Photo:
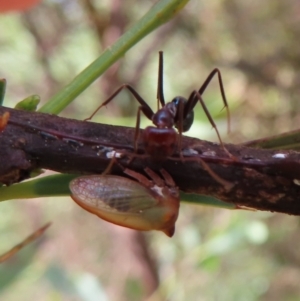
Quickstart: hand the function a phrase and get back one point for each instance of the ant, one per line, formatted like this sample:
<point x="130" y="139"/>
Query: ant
<point x="160" y="140"/>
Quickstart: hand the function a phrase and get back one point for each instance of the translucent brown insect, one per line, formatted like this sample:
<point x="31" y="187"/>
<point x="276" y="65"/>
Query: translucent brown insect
<point x="149" y="204"/>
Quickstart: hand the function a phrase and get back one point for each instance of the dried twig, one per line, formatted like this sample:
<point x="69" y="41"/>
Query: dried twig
<point x="257" y="178"/>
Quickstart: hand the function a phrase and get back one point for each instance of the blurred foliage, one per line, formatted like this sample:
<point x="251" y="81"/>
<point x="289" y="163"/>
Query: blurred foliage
<point x="30" y="103"/>
<point x="2" y="90"/>
<point x="215" y="254"/>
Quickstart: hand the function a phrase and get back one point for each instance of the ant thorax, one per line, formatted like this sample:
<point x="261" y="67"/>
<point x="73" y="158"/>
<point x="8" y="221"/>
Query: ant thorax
<point x="165" y="117"/>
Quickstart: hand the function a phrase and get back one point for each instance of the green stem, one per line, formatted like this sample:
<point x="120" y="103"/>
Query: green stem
<point x="2" y="90"/>
<point x="159" y="14"/>
<point x="58" y="185"/>
<point x="48" y="186"/>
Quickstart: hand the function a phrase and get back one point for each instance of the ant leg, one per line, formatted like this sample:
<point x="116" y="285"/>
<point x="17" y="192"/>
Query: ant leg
<point x="205" y="84"/>
<point x="146" y="109"/>
<point x="227" y="185"/>
<point x="168" y="178"/>
<point x="110" y="165"/>
<point x="155" y="177"/>
<point x="196" y="95"/>
<point x="191" y="103"/>
<point x="181" y="104"/>
<point x="139" y="177"/>
<point x="137" y="129"/>
<point x="160" y="87"/>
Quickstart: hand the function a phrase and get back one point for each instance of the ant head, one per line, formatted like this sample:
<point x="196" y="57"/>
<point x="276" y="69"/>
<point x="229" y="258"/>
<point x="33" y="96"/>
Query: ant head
<point x="186" y="122"/>
<point x="187" y="114"/>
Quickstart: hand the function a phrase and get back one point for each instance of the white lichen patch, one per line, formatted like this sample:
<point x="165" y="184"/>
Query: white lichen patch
<point x="246" y="208"/>
<point x="113" y="154"/>
<point x="158" y="190"/>
<point x="209" y="153"/>
<point x="279" y="156"/>
<point x="189" y="152"/>
<point x="297" y="182"/>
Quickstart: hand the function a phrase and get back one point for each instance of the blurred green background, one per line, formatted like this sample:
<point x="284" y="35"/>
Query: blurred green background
<point x="215" y="254"/>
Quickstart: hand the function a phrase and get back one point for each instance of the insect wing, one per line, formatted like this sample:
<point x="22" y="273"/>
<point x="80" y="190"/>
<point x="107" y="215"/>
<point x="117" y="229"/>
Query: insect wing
<point x="112" y="193"/>
<point x="117" y="200"/>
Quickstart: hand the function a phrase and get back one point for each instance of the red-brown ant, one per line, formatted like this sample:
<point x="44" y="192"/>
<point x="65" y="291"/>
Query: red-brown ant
<point x="160" y="140"/>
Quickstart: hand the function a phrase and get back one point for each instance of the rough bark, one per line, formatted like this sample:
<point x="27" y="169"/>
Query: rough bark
<point x="256" y="178"/>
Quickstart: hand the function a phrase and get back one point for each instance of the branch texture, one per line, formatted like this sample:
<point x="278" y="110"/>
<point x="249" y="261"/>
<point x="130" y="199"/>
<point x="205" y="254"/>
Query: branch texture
<point x="255" y="178"/>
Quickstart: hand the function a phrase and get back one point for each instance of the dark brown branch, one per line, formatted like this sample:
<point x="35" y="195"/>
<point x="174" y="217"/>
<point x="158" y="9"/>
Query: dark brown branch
<point x="255" y="178"/>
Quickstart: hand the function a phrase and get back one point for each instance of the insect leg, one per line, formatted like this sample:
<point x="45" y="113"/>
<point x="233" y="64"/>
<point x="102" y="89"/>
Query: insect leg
<point x="155" y="177"/>
<point x="179" y="123"/>
<point x="227" y="185"/>
<point x="160" y="87"/>
<point x="137" y="128"/>
<point x="146" y="109"/>
<point x="191" y="103"/>
<point x="168" y="178"/>
<point x="139" y="177"/>
<point x="205" y="84"/>
<point x="197" y="96"/>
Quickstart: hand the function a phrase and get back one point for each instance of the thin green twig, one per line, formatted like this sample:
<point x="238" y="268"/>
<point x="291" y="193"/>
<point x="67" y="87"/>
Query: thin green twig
<point x="159" y="14"/>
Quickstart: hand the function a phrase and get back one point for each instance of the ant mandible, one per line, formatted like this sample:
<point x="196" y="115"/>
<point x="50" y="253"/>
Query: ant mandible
<point x="160" y="140"/>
